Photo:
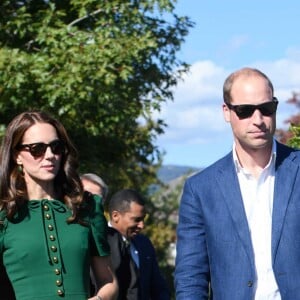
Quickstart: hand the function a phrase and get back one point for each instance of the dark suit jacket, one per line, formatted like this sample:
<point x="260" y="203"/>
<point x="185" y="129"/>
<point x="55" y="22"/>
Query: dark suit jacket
<point x="143" y="284"/>
<point x="214" y="244"/>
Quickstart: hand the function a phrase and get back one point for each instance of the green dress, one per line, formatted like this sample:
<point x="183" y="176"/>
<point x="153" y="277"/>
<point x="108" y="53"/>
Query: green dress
<point x="45" y="257"/>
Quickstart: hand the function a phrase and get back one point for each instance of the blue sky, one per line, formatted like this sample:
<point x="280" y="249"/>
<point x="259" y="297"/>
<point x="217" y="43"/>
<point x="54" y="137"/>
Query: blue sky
<point x="228" y="35"/>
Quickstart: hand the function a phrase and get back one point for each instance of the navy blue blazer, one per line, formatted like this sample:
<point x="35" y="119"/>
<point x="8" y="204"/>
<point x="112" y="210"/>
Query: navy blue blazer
<point x="151" y="284"/>
<point x="214" y="244"/>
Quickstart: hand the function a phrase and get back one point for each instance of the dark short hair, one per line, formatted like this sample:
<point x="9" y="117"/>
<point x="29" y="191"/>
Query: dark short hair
<point x="121" y="200"/>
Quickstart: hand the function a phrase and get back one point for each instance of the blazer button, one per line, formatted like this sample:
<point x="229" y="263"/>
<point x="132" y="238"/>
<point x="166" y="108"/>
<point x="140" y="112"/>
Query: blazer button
<point x="250" y="283"/>
<point x="52" y="237"/>
<point x="55" y="259"/>
<point x="60" y="292"/>
<point x="46" y="207"/>
<point x="53" y="248"/>
<point x="50" y="227"/>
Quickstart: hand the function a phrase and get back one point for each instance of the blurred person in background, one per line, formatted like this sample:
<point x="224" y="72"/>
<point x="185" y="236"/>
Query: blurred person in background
<point x="94" y="184"/>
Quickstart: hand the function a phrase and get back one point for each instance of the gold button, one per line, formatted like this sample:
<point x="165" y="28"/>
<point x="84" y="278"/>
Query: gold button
<point x="50" y="227"/>
<point x="46" y="207"/>
<point x="60" y="292"/>
<point x="57" y="271"/>
<point x="53" y="248"/>
<point x="55" y="259"/>
<point x="52" y="237"/>
<point x="58" y="283"/>
<point x="47" y="216"/>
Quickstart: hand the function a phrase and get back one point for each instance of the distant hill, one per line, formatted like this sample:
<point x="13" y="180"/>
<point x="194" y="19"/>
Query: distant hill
<point x="168" y="173"/>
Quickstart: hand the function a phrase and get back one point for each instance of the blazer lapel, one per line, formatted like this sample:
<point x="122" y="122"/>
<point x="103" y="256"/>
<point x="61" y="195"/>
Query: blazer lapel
<point x="285" y="176"/>
<point x="229" y="185"/>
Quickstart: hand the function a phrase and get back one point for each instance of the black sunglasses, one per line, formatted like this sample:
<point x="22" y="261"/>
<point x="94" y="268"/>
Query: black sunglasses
<point x="244" y="111"/>
<point x="38" y="149"/>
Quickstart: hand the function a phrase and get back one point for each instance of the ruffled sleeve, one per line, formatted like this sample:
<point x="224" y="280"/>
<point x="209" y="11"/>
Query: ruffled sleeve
<point x="98" y="225"/>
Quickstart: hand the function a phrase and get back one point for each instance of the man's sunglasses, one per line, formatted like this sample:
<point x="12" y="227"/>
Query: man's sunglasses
<point x="38" y="149"/>
<point x="246" y="110"/>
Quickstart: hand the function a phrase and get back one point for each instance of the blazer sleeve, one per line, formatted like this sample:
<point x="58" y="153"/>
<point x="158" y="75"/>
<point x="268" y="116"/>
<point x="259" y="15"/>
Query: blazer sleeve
<point x="192" y="274"/>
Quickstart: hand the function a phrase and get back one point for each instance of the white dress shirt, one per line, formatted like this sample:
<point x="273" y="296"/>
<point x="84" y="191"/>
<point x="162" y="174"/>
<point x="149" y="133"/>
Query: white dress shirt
<point x="257" y="196"/>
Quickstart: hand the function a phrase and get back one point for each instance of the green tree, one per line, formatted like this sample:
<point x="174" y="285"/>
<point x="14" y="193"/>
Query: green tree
<point x="101" y="67"/>
<point x="291" y="136"/>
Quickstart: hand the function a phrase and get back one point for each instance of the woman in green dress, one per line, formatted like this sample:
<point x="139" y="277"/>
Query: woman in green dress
<point x="51" y="232"/>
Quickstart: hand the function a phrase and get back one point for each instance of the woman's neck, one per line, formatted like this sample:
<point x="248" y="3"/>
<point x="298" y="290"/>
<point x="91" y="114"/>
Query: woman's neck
<point x="38" y="191"/>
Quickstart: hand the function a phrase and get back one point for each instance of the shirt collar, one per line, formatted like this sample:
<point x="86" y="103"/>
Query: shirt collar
<point x="123" y="237"/>
<point x="272" y="159"/>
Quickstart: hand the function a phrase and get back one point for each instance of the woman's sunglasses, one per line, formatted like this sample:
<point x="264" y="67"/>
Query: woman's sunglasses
<point x="38" y="149"/>
<point x="246" y="110"/>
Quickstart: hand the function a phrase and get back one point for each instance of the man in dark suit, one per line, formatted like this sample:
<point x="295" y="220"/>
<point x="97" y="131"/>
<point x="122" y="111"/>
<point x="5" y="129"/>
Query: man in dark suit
<point x="239" y="219"/>
<point x="133" y="255"/>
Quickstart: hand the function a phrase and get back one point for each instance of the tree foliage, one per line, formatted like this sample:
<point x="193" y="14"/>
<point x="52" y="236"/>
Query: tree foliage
<point x="102" y="68"/>
<point x="292" y="135"/>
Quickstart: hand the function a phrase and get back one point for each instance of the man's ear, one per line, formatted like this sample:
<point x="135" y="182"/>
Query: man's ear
<point x="115" y="216"/>
<point x="226" y="113"/>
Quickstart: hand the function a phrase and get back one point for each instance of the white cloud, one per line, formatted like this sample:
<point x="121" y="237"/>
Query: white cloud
<point x="195" y="115"/>
<point x="201" y="83"/>
<point x="196" y="111"/>
<point x="284" y="73"/>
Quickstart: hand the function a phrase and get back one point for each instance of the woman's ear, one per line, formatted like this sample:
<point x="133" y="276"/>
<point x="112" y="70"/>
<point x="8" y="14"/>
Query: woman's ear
<point x="18" y="159"/>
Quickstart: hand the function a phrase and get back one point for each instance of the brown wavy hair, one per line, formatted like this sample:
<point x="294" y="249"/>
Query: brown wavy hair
<point x="13" y="191"/>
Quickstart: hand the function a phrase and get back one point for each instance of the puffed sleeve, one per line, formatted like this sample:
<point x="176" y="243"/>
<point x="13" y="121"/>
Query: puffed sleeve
<point x="98" y="225"/>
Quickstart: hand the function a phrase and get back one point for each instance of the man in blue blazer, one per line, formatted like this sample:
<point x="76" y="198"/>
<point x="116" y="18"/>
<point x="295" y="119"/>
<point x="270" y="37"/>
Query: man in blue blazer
<point x="239" y="219"/>
<point x="132" y="253"/>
